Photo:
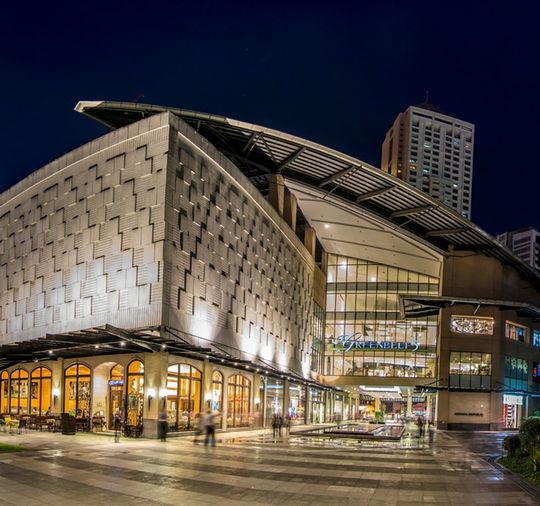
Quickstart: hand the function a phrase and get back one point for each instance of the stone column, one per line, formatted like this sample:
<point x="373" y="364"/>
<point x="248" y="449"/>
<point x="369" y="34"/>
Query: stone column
<point x="57" y="368"/>
<point x="290" y="207"/>
<point x="409" y="405"/>
<point x="276" y="192"/>
<point x="310" y="240"/>
<point x="155" y="380"/>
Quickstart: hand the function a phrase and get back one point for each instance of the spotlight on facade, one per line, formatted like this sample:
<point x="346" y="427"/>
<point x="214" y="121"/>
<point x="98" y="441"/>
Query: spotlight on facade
<point x="56" y="394"/>
<point x="122" y="343"/>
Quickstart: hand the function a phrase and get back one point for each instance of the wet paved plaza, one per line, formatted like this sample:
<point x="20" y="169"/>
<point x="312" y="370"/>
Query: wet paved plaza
<point x="89" y="469"/>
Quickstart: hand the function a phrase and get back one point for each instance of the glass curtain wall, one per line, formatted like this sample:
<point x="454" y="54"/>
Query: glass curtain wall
<point x="135" y="393"/>
<point x="238" y="401"/>
<point x="183" y="396"/>
<point x="317" y="349"/>
<point x="470" y="370"/>
<point x="365" y="335"/>
<point x="19" y="392"/>
<point x="77" y="393"/>
<point x="40" y="391"/>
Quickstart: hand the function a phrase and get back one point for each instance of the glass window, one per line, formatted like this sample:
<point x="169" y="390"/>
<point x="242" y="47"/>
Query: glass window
<point x="472" y="325"/>
<point x="77" y="391"/>
<point x="238" y="401"/>
<point x="470" y="370"/>
<point x="40" y="391"/>
<point x="4" y="392"/>
<point x="183" y="396"/>
<point x="217" y="395"/>
<point x="135" y="393"/>
<point x="536" y="338"/>
<point x="19" y="392"/>
<point x="517" y="332"/>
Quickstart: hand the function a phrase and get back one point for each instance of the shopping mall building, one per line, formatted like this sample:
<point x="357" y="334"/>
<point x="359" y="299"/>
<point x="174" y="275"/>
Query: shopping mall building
<point x="187" y="261"/>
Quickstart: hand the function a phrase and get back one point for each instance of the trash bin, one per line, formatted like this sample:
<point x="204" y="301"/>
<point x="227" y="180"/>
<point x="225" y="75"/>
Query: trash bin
<point x="68" y="424"/>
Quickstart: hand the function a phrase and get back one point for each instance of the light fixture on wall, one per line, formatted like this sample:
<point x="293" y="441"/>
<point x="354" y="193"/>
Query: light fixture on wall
<point x="163" y="396"/>
<point x="208" y="399"/>
<point x="151" y="393"/>
<point x="56" y="394"/>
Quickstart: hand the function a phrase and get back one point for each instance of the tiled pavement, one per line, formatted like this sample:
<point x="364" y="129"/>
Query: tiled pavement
<point x="93" y="470"/>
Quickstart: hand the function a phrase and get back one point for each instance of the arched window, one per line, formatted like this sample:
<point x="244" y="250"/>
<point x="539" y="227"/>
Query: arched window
<point x="77" y="391"/>
<point x="217" y="395"/>
<point x="238" y="401"/>
<point x="19" y="392"/>
<point x="135" y="392"/>
<point x="40" y="391"/>
<point x="116" y="393"/>
<point x="183" y="395"/>
<point x="4" y="392"/>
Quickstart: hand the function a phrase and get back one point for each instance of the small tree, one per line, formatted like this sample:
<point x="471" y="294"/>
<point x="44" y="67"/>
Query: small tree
<point x="529" y="434"/>
<point x="511" y="445"/>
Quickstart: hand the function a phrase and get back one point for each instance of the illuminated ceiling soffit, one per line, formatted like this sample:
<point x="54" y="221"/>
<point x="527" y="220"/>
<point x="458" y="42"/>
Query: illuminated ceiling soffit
<point x="352" y="231"/>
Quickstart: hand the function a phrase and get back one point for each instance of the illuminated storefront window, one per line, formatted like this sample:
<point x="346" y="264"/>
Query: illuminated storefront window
<point x="183" y="396"/>
<point x="238" y="401"/>
<point x="116" y="393"/>
<point x="77" y="393"/>
<point x="19" y="392"/>
<point x="365" y="333"/>
<point x="274" y="399"/>
<point x="40" y="391"/>
<point x="470" y="370"/>
<point x="472" y="325"/>
<point x="297" y="403"/>
<point x="217" y="395"/>
<point x="516" y="332"/>
<point x="317" y="405"/>
<point x="516" y="373"/>
<point x="536" y="338"/>
<point x="4" y="392"/>
<point x="135" y="392"/>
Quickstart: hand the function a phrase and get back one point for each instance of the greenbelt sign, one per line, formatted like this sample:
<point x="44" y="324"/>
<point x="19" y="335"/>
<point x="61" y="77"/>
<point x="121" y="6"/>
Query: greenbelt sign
<point x="348" y="343"/>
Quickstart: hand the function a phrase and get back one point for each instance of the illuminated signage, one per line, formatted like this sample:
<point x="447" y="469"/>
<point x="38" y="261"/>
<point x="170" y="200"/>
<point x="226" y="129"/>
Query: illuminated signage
<point x="536" y="372"/>
<point x="348" y="343"/>
<point x="536" y="338"/>
<point x="116" y="383"/>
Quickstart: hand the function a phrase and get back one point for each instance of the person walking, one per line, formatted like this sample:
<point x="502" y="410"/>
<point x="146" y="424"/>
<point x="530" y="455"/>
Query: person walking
<point x="276" y="426"/>
<point x="162" y="426"/>
<point x="117" y="422"/>
<point x="420" y="424"/>
<point x="209" y="429"/>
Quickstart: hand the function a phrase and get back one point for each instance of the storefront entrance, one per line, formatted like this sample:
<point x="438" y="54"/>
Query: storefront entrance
<point x="116" y="394"/>
<point x="512" y="411"/>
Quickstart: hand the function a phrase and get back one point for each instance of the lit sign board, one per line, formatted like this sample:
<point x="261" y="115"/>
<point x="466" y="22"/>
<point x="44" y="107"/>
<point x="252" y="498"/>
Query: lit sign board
<point x="536" y="372"/>
<point x="536" y="338"/>
<point x="348" y="343"/>
<point x="116" y="383"/>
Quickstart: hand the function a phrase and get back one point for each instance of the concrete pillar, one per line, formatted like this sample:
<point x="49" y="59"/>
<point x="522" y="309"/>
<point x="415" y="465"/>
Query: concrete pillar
<point x="258" y="398"/>
<point x="207" y="385"/>
<point x="308" y="407"/>
<point x="409" y="405"/>
<point x="276" y="192"/>
<point x="286" y="398"/>
<point x="310" y="240"/>
<point x="57" y="368"/>
<point x="155" y="382"/>
<point x="290" y="207"/>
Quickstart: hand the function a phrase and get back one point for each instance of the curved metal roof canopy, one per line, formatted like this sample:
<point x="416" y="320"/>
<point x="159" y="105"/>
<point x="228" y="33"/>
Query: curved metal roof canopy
<point x="260" y="151"/>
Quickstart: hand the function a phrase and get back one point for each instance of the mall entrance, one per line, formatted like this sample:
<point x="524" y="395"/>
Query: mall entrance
<point x="396" y="404"/>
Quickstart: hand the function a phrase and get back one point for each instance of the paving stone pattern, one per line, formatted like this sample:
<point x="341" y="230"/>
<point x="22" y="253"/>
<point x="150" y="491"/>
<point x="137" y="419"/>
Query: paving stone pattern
<point x="91" y="469"/>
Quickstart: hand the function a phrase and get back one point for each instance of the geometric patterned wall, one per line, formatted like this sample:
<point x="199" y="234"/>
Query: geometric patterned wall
<point x="82" y="243"/>
<point x="232" y="264"/>
<point x="81" y="239"/>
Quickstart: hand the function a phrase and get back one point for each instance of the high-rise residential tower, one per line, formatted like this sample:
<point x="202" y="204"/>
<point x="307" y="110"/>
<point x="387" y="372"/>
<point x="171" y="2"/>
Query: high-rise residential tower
<point x="434" y="153"/>
<point x="524" y="243"/>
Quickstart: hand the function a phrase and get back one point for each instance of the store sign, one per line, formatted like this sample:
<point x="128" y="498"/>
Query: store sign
<point x="348" y="343"/>
<point x="116" y="383"/>
<point x="536" y="372"/>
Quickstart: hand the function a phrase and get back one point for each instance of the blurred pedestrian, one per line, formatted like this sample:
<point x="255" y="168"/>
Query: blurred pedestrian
<point x="420" y="424"/>
<point x="276" y="425"/>
<point x="209" y="429"/>
<point x="162" y="425"/>
<point x="117" y="422"/>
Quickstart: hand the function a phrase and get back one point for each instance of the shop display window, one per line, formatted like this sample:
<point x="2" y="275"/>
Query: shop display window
<point x="135" y="393"/>
<point x="77" y="390"/>
<point x="217" y="395"/>
<point x="183" y="396"/>
<point x="517" y="332"/>
<point x="4" y="392"/>
<point x="238" y="401"/>
<point x="40" y="391"/>
<point x="18" y="392"/>
<point x="470" y="370"/>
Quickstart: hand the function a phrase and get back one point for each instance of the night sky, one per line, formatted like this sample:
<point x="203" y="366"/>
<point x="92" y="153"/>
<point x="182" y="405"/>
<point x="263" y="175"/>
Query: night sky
<point x="333" y="73"/>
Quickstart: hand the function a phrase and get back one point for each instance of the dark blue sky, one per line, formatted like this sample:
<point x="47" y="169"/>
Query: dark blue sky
<point x="334" y="73"/>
